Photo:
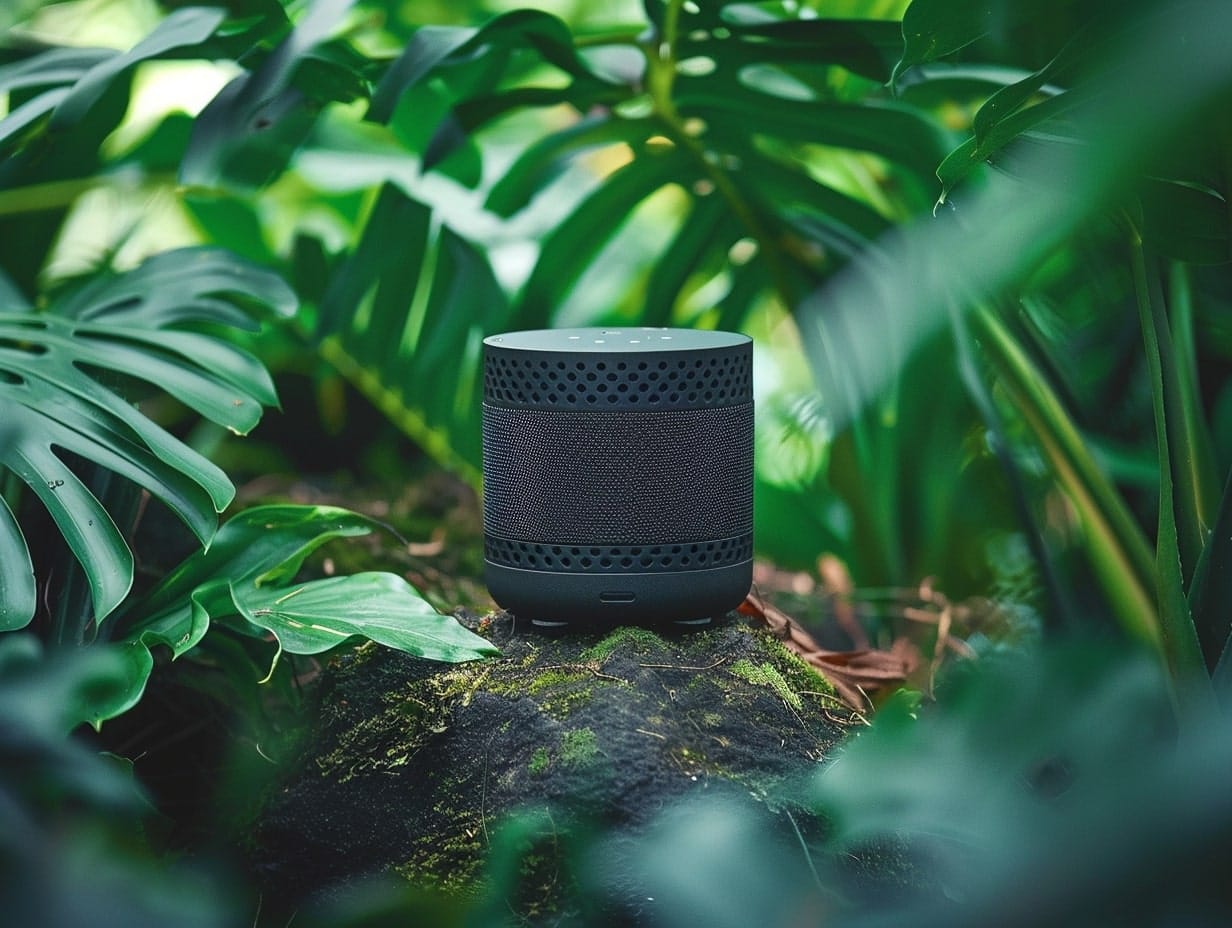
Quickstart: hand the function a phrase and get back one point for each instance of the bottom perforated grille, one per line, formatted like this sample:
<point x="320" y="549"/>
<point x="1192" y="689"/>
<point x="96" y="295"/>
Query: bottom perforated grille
<point x="660" y="558"/>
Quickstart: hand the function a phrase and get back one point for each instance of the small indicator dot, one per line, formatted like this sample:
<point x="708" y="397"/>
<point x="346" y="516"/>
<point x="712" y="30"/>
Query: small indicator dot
<point x="574" y="338"/>
<point x="598" y="341"/>
<point x="666" y="338"/>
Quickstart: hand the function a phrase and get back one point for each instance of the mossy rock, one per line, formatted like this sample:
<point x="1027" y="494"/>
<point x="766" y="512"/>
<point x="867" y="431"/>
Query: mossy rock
<point x="412" y="766"/>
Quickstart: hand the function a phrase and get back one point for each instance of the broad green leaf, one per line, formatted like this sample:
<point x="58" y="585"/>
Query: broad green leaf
<point x="51" y="68"/>
<point x="182" y="28"/>
<point x="245" y="580"/>
<point x="60" y="373"/>
<point x="540" y="162"/>
<point x="28" y="113"/>
<point x="313" y="617"/>
<point x="52" y="73"/>
<point x="55" y="692"/>
<point x="431" y="46"/>
<point x="428" y="47"/>
<point x="894" y="131"/>
<point x="77" y="429"/>
<point x="933" y="29"/>
<point x="83" y="522"/>
<point x="576" y="240"/>
<point x="249" y="131"/>
<point x="18" y="593"/>
<point x="1013" y="128"/>
<point x="261" y="545"/>
<point x="176" y="286"/>
<point x="866" y="47"/>
<point x="1013" y="98"/>
<point x="408" y="308"/>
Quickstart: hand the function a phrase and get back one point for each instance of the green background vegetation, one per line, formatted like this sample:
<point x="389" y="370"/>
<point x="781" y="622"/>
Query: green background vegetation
<point x="983" y="251"/>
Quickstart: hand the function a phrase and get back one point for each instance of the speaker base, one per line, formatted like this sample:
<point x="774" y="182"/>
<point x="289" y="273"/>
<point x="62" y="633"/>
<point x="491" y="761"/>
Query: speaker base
<point x="578" y="600"/>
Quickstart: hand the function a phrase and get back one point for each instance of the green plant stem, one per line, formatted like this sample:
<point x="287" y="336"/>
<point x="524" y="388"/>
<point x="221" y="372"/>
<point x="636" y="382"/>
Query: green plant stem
<point x="57" y="194"/>
<point x="660" y="80"/>
<point x="601" y="39"/>
<point x="1180" y="641"/>
<point x="1117" y="547"/>
<point x="1062" y="613"/>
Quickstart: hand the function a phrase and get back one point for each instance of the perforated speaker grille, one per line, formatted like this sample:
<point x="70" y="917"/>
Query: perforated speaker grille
<point x="657" y="476"/>
<point x="619" y="558"/>
<point x="633" y="381"/>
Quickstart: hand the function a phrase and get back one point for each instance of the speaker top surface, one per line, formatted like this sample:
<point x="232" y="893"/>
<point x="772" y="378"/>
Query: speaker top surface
<point x="616" y="339"/>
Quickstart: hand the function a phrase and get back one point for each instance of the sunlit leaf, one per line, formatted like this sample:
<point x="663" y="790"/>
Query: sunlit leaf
<point x="313" y="617"/>
<point x="182" y="28"/>
<point x="248" y="132"/>
<point x="245" y="577"/>
<point x="60" y="372"/>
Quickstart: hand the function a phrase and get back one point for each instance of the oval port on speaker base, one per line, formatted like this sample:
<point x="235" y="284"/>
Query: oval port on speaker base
<point x="617" y="596"/>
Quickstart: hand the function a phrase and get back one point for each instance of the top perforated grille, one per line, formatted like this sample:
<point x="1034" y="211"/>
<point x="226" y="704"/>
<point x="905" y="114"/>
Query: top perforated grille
<point x="678" y="380"/>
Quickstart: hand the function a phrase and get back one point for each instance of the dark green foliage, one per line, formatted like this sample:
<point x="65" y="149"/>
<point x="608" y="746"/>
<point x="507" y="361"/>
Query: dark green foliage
<point x="137" y="327"/>
<point x="1044" y="358"/>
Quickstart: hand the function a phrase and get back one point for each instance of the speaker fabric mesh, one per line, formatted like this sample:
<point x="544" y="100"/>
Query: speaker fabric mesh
<point x="599" y="477"/>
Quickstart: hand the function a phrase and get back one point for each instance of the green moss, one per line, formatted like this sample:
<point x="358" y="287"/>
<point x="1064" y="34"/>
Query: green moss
<point x="554" y="678"/>
<point x="539" y="761"/>
<point x="801" y="677"/>
<point x="638" y="639"/>
<point x="765" y="674"/>
<point x="578" y="747"/>
<point x="450" y="862"/>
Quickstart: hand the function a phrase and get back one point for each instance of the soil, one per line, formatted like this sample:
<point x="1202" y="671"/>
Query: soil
<point x="414" y="767"/>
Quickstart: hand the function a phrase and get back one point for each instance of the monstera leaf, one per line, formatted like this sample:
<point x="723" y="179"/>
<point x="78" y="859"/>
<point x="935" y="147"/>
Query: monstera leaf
<point x="728" y="103"/>
<point x="246" y="581"/>
<point x="65" y="376"/>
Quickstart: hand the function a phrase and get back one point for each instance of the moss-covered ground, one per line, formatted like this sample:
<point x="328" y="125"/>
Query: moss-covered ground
<point x="413" y="766"/>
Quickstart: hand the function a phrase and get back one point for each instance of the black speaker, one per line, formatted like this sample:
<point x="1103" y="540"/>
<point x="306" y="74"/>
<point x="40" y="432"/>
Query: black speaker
<point x="618" y="474"/>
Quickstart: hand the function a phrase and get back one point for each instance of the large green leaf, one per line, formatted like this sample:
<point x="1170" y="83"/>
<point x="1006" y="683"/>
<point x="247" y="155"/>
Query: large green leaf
<point x="245" y="580"/>
<point x="313" y="617"/>
<point x="18" y="591"/>
<point x="408" y="308"/>
<point x="50" y="75"/>
<point x="433" y="46"/>
<point x="182" y="28"/>
<point x="246" y="135"/>
<point x="712" y="113"/>
<point x="62" y="377"/>
<point x="68" y="81"/>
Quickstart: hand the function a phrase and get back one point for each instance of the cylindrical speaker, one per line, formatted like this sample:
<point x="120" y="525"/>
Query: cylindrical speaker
<point x="618" y="474"/>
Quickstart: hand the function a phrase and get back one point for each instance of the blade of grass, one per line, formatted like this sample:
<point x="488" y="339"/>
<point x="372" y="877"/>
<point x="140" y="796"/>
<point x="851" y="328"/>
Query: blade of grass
<point x="1200" y="470"/>
<point x="1175" y="536"/>
<point x="1210" y="596"/>
<point x="1116" y="545"/>
<point x="1061" y="615"/>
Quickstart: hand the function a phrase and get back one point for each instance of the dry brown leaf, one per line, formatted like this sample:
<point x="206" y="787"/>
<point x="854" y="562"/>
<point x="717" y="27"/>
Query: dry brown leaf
<point x="853" y="674"/>
<point x="836" y="581"/>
